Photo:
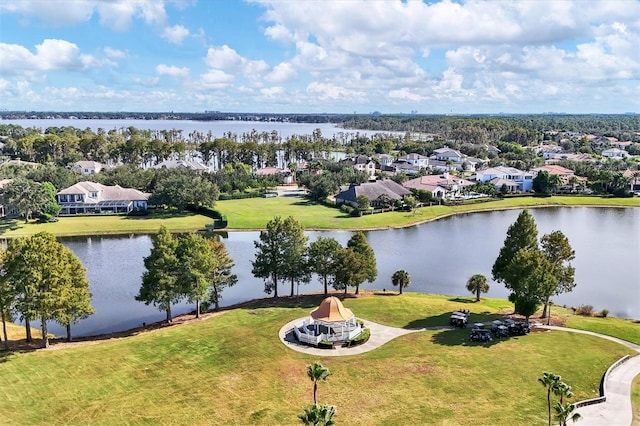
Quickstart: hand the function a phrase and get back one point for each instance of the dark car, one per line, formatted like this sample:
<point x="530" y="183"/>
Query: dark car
<point x="458" y="320"/>
<point x="518" y="329"/>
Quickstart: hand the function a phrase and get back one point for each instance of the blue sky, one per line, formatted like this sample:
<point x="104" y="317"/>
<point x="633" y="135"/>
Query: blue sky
<point x="341" y="56"/>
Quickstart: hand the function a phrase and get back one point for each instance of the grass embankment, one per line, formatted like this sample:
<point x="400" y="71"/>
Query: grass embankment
<point x="635" y="401"/>
<point x="232" y="369"/>
<point x="254" y="213"/>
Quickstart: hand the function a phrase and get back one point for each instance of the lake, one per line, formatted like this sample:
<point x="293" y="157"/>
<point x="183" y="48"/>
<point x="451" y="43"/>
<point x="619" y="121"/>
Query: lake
<point x="217" y="128"/>
<point x="440" y="256"/>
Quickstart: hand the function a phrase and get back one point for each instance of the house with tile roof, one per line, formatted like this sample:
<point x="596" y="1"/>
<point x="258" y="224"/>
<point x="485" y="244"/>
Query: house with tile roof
<point x="441" y="186"/>
<point x="92" y="197"/>
<point x="87" y="168"/>
<point x="385" y="188"/>
<point x="514" y="179"/>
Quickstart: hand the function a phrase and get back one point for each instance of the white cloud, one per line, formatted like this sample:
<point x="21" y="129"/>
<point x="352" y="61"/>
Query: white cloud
<point x="215" y="79"/>
<point x="173" y="71"/>
<point x="282" y="73"/>
<point x="51" y="55"/>
<point x="228" y="60"/>
<point x="405" y="94"/>
<point x="114" y="14"/>
<point x="326" y="91"/>
<point x="115" y="53"/>
<point x="175" y="34"/>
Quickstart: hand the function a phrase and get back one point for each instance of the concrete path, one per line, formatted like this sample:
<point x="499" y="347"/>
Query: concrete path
<point x="380" y="334"/>
<point x="616" y="410"/>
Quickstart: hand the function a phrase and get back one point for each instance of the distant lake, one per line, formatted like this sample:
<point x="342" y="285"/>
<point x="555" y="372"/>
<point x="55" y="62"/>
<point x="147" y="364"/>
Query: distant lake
<point x="217" y="128"/>
<point x="440" y="256"/>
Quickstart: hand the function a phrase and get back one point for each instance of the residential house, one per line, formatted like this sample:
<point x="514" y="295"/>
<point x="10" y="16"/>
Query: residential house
<point x="92" y="197"/>
<point x="363" y="164"/>
<point x="385" y="159"/>
<point x="287" y="175"/>
<point x="447" y="154"/>
<point x="569" y="181"/>
<point x="87" y="168"/>
<point x="447" y="159"/>
<point x="19" y="162"/>
<point x="615" y="153"/>
<point x="514" y="179"/>
<point x="182" y="164"/>
<point x="567" y="156"/>
<point x="634" y="179"/>
<point x="415" y="160"/>
<point x="441" y="186"/>
<point x="401" y="166"/>
<point x="385" y="188"/>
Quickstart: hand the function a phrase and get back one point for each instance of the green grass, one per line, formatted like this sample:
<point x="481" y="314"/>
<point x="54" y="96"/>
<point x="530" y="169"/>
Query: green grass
<point x="107" y="224"/>
<point x="254" y="213"/>
<point x="625" y="329"/>
<point x="635" y="401"/>
<point x="232" y="369"/>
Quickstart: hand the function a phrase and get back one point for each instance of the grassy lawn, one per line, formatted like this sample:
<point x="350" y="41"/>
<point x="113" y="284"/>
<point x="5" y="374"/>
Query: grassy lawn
<point x="107" y="224"/>
<point x="635" y="401"/>
<point x="254" y="213"/>
<point x="232" y="369"/>
<point x="625" y="329"/>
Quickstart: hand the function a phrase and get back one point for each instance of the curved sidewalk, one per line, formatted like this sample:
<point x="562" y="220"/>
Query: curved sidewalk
<point x="380" y="334"/>
<point x="616" y="410"/>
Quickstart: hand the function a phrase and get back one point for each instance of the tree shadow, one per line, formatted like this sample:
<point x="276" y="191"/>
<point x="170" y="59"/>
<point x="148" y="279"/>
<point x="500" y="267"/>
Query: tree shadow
<point x="462" y="300"/>
<point x="460" y="337"/>
<point x="442" y="320"/>
<point x="8" y="225"/>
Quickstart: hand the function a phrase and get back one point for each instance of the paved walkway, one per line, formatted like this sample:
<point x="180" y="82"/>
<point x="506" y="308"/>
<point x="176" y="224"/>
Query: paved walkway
<point x="615" y="411"/>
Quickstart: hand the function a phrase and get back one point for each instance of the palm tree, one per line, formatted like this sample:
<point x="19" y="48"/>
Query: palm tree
<point x="401" y="278"/>
<point x="477" y="284"/>
<point x="318" y="415"/>
<point x="565" y="412"/>
<point x="549" y="381"/>
<point x="317" y="372"/>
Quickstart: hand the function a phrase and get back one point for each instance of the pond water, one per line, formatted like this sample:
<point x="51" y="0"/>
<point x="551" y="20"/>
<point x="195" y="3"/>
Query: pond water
<point x="440" y="256"/>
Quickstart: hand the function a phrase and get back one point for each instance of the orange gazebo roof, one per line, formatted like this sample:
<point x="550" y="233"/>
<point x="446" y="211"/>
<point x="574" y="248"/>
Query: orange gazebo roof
<point x="331" y="310"/>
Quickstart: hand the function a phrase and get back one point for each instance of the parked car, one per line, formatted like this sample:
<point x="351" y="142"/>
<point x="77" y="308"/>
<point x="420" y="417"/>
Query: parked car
<point x="480" y="335"/>
<point x="518" y="328"/>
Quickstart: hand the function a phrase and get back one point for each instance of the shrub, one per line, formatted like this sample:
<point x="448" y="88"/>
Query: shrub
<point x="345" y="208"/>
<point x="325" y="344"/>
<point x="356" y="212"/>
<point x="45" y="217"/>
<point x="359" y="339"/>
<point x="585" y="310"/>
<point x="604" y="313"/>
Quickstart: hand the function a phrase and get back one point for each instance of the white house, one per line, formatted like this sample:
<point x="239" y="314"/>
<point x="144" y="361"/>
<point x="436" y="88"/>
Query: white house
<point x="87" y="168"/>
<point x="514" y="179"/>
<point x="416" y="160"/>
<point x="363" y="164"/>
<point x="92" y="197"/>
<point x="615" y="153"/>
<point x="442" y="186"/>
<point x="385" y="159"/>
<point x="448" y="154"/>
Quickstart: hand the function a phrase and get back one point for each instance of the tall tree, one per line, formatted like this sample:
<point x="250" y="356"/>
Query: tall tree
<point x="160" y="285"/>
<point x="7" y="298"/>
<point x="323" y="257"/>
<point x="220" y="276"/>
<point x="76" y="301"/>
<point x="180" y="188"/>
<point x="559" y="253"/>
<point x="530" y="278"/>
<point x="401" y="279"/>
<point x="522" y="234"/>
<point x="350" y="270"/>
<point x="477" y="284"/>
<point x="50" y="278"/>
<point x="317" y="372"/>
<point x="296" y="252"/>
<point x="358" y="243"/>
<point x="27" y="196"/>
<point x="195" y="263"/>
<point x="280" y="246"/>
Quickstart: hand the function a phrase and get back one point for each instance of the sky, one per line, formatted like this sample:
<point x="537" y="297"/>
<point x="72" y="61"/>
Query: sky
<point x="331" y="56"/>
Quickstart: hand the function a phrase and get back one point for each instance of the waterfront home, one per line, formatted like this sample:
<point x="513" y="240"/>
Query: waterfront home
<point x="569" y="182"/>
<point x="362" y="164"/>
<point x="376" y="192"/>
<point x="286" y="174"/>
<point x="441" y="186"/>
<point x="514" y="179"/>
<point x="92" y="197"/>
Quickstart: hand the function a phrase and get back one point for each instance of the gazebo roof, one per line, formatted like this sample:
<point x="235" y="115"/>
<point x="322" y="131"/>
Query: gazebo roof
<point x="331" y="310"/>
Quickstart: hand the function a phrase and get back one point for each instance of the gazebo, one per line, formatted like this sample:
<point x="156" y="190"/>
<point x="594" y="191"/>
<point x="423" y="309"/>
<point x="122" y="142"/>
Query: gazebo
<point x="330" y="321"/>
